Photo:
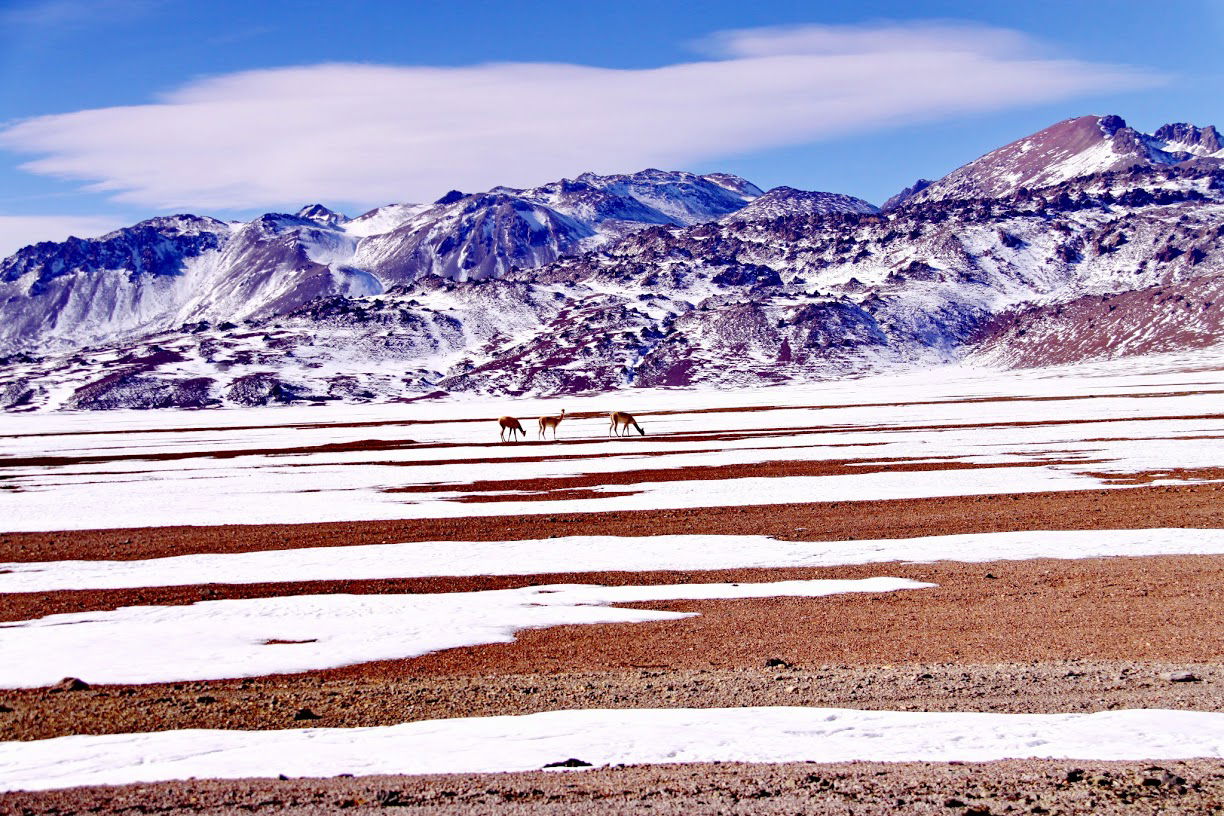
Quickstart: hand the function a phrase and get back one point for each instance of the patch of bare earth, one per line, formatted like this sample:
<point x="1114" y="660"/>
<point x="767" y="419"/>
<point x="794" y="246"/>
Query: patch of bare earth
<point x="354" y="700"/>
<point x="1203" y="474"/>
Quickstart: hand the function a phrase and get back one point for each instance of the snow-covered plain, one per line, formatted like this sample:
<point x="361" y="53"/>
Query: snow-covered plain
<point x="593" y="554"/>
<point x="258" y="636"/>
<point x="606" y="737"/>
<point x="1052" y="429"/>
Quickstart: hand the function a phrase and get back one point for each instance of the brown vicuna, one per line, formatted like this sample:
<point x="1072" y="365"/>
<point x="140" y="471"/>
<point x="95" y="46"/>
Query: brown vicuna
<point x="551" y="422"/>
<point x="512" y="425"/>
<point x="621" y="422"/>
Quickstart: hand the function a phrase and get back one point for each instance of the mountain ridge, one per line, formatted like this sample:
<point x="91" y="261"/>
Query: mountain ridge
<point x="790" y="285"/>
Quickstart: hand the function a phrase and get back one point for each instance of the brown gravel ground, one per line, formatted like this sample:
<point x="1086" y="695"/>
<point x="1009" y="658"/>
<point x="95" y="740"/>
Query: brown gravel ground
<point x="1195" y="505"/>
<point x="354" y="701"/>
<point x="864" y="788"/>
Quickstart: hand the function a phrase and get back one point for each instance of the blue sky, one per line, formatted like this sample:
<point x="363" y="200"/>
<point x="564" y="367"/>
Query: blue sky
<point x="200" y="148"/>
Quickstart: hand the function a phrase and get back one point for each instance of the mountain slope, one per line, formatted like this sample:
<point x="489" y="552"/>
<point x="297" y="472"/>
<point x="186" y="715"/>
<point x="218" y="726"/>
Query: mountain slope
<point x="80" y="292"/>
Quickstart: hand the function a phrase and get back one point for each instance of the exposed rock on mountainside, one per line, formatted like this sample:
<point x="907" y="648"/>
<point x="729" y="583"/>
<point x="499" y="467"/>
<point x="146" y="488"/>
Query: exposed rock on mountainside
<point x="1178" y="315"/>
<point x="906" y="194"/>
<point x="1069" y="149"/>
<point x="782" y="201"/>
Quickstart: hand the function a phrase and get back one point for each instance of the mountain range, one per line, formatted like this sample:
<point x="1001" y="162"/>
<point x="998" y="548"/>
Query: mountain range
<point x="1088" y="239"/>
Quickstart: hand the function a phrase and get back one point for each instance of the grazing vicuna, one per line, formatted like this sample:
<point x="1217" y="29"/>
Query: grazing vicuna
<point x="512" y="425"/>
<point x="622" y="421"/>
<point x="551" y="422"/>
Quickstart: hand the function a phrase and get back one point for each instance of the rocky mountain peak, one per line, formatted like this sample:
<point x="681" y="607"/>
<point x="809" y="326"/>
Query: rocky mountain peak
<point x="450" y="198"/>
<point x="1188" y="138"/>
<point x="321" y="215"/>
<point x="1109" y="124"/>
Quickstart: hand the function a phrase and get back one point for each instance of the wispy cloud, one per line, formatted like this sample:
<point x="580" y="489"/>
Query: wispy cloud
<point x="61" y="13"/>
<point x="350" y="133"/>
<point x="17" y="231"/>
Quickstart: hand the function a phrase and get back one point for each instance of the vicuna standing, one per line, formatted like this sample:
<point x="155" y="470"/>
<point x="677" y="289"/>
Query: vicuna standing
<point x="551" y="422"/>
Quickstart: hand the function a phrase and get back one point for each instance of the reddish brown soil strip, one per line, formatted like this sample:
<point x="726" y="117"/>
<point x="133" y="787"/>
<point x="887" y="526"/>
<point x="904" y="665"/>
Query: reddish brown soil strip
<point x="1152" y="438"/>
<point x="1114" y="508"/>
<point x="176" y="456"/>
<point x="774" y="469"/>
<point x="1204" y="474"/>
<point x="774" y="432"/>
<point x="581" y="457"/>
<point x="1068" y="788"/>
<point x="272" y="702"/>
<point x="491" y="460"/>
<point x="28" y="605"/>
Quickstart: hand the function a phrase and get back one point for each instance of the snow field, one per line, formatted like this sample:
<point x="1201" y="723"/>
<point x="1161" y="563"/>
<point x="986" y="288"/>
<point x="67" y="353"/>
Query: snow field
<point x="579" y="554"/>
<point x="606" y="737"/>
<point x="1100" y="420"/>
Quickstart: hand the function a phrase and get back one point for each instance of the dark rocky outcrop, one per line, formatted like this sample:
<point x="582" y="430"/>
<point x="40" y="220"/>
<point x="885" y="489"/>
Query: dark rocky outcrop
<point x="133" y="390"/>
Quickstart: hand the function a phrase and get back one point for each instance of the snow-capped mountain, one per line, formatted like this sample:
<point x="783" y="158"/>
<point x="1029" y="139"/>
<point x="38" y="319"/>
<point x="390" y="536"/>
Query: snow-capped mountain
<point x="1103" y="265"/>
<point x="653" y="279"/>
<point x="465" y="237"/>
<point x="1066" y="150"/>
<point x="80" y="292"/>
<point x="169" y="271"/>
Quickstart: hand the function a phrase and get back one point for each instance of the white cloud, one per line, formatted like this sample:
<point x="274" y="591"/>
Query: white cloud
<point x="17" y="231"/>
<point x="347" y="133"/>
